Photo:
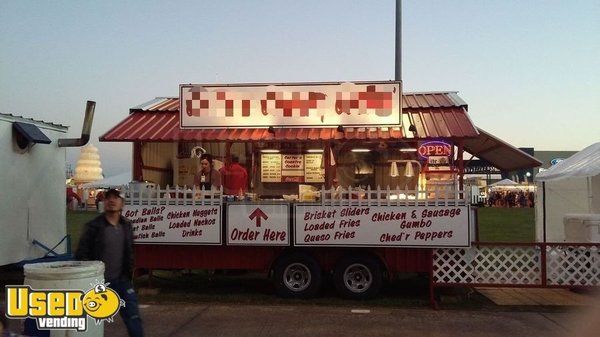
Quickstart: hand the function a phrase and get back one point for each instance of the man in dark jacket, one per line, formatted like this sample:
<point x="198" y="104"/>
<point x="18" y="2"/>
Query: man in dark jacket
<point x="109" y="238"/>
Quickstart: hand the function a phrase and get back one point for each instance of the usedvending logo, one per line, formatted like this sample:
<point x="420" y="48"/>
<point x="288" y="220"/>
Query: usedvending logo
<point x="63" y="309"/>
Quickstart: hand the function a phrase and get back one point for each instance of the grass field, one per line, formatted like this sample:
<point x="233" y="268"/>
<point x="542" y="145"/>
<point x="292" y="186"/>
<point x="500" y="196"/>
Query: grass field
<point x="506" y="224"/>
<point x="75" y="224"/>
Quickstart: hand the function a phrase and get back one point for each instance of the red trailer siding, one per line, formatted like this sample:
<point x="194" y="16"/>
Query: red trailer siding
<point x="261" y="258"/>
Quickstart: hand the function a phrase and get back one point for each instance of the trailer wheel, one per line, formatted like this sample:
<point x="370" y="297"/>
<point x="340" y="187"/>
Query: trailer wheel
<point x="358" y="277"/>
<point x="297" y="275"/>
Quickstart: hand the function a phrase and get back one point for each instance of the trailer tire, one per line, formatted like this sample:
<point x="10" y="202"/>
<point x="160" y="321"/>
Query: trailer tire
<point x="297" y="275"/>
<point x="358" y="277"/>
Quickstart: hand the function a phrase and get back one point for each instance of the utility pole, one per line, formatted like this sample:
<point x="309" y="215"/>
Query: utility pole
<point x="398" y="58"/>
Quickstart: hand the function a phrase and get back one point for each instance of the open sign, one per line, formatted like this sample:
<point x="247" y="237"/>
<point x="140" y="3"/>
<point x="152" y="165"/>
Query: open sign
<point x="435" y="148"/>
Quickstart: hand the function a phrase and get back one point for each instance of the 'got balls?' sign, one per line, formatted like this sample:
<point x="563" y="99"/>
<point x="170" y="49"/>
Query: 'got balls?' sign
<point x="166" y="224"/>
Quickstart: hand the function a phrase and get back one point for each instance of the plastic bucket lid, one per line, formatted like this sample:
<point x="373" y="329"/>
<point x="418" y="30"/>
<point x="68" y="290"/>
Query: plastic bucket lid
<point x="64" y="270"/>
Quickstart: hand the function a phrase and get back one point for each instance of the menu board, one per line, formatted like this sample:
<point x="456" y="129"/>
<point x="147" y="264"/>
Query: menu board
<point x="292" y="168"/>
<point x="270" y="168"/>
<point x="313" y="172"/>
<point x="175" y="224"/>
<point x="296" y="168"/>
<point x="391" y="226"/>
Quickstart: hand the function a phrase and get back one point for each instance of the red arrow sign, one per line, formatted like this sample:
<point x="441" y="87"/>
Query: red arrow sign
<point x="258" y="214"/>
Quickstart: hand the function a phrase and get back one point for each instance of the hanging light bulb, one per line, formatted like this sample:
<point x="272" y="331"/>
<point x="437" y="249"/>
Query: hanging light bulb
<point x="409" y="171"/>
<point x="394" y="169"/>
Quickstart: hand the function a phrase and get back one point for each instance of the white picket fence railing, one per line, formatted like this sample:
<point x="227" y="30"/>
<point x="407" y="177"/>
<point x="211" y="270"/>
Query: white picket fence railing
<point x="173" y="196"/>
<point x="434" y="196"/>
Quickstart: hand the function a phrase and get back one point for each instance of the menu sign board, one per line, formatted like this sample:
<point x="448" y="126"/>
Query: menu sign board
<point x="297" y="168"/>
<point x="292" y="165"/>
<point x="173" y="224"/>
<point x="389" y="226"/>
<point x="270" y="168"/>
<point x="313" y="172"/>
<point x="290" y="104"/>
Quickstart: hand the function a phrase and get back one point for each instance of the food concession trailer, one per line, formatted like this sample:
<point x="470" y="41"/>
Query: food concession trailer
<point x="398" y="159"/>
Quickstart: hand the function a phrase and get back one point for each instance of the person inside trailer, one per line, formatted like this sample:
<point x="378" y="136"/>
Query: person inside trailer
<point x="337" y="189"/>
<point x="234" y="177"/>
<point x="207" y="177"/>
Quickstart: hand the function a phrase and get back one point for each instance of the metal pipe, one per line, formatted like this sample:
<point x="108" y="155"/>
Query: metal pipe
<point x="86" y="130"/>
<point x="398" y="58"/>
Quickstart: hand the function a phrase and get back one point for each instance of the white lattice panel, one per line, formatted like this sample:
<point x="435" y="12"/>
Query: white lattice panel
<point x="487" y="265"/>
<point x="573" y="265"/>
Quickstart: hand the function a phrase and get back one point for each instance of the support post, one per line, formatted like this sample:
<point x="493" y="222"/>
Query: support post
<point x="432" y="301"/>
<point x="398" y="44"/>
<point x="327" y="160"/>
<point x="543" y="264"/>
<point x="227" y="160"/>
<point x="461" y="167"/>
<point x="137" y="162"/>
<point x="255" y="156"/>
<point x="544" y="209"/>
<point x="476" y="213"/>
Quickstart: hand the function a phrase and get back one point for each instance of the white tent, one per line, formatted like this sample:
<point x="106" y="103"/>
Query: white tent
<point x="571" y="186"/>
<point x="110" y="182"/>
<point x="583" y="164"/>
<point x="504" y="182"/>
<point x="507" y="184"/>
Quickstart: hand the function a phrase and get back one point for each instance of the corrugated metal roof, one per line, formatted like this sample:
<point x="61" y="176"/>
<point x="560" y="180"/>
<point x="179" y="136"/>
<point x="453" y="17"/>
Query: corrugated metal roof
<point x="432" y="100"/>
<point x="499" y="153"/>
<point x="164" y="127"/>
<point x="439" y="114"/>
<point x="18" y="118"/>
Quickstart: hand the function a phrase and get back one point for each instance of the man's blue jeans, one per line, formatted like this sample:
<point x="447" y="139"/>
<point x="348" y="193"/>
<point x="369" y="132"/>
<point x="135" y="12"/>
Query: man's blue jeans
<point x="130" y="313"/>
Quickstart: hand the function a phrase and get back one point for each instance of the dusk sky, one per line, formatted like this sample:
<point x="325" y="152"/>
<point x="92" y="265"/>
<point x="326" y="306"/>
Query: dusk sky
<point x="529" y="70"/>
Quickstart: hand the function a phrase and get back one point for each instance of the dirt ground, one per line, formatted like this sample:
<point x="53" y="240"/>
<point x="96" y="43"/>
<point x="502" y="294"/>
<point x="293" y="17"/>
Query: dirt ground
<point x="253" y="320"/>
<point x="237" y="320"/>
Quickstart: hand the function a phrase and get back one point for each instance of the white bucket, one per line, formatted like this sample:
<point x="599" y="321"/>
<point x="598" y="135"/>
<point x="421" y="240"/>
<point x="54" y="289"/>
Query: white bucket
<point x="67" y="275"/>
<point x="582" y="227"/>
